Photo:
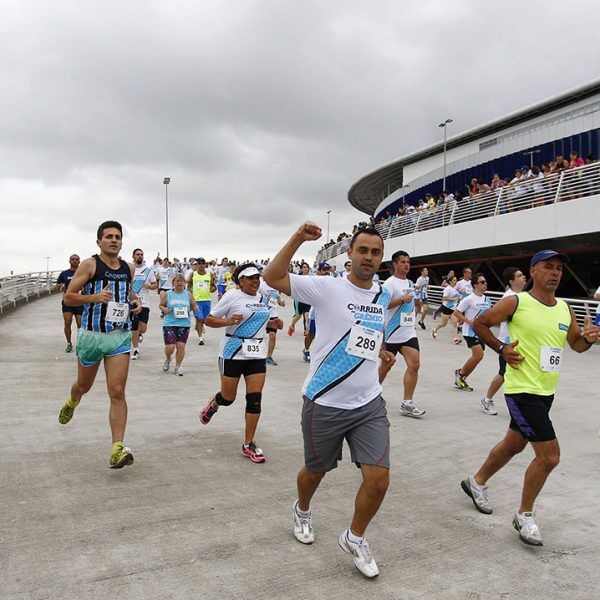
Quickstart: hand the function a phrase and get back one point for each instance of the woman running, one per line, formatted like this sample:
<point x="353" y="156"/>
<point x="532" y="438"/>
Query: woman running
<point x="243" y="351"/>
<point x="175" y="305"/>
<point x="449" y="302"/>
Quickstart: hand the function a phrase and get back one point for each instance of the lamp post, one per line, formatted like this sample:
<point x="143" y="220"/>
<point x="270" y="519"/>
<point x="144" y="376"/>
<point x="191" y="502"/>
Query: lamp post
<point x="531" y="153"/>
<point x="166" y="181"/>
<point x="328" y="213"/>
<point x="444" y="125"/>
<point x="47" y="263"/>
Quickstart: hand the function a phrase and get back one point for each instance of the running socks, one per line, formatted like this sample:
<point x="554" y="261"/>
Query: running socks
<point x="355" y="539"/>
<point x="72" y="403"/>
<point x="302" y="513"/>
<point x="116" y="447"/>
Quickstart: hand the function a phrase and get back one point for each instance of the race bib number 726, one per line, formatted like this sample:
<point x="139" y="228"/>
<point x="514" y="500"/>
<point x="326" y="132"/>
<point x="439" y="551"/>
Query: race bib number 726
<point x="117" y="312"/>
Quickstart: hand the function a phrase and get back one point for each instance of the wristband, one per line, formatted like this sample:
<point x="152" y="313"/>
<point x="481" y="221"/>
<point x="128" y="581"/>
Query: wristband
<point x="500" y="348"/>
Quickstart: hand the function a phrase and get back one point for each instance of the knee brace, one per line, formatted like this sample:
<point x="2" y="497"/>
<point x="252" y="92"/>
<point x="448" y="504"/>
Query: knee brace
<point x="221" y="401"/>
<point x="253" y="400"/>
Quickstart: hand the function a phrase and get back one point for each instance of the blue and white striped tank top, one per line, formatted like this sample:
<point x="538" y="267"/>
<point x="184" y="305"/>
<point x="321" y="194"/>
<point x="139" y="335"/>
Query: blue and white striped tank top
<point x="94" y="314"/>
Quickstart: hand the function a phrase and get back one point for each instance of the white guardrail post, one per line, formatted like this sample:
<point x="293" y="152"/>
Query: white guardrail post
<point x="23" y="287"/>
<point x="560" y="180"/>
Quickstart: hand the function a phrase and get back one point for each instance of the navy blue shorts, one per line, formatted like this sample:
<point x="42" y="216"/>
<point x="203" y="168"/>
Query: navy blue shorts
<point x="530" y="415"/>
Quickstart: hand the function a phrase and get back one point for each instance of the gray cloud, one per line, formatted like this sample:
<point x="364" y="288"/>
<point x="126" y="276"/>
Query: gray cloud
<point x="263" y="112"/>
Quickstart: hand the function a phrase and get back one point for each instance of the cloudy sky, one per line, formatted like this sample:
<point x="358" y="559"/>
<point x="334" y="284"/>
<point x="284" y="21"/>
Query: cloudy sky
<point x="262" y="112"/>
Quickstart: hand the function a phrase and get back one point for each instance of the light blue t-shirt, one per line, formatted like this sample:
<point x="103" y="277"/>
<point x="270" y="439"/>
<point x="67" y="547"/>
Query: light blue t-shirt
<point x="180" y="309"/>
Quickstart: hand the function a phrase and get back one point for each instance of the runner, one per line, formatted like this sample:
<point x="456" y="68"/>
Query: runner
<point x="301" y="310"/>
<point x="143" y="281"/>
<point x="342" y="393"/>
<point x="106" y="332"/>
<point x="469" y="308"/>
<point x="597" y="316"/>
<point x="540" y="326"/>
<point x="444" y="284"/>
<point x="243" y="352"/>
<point x="400" y="331"/>
<point x="449" y="301"/>
<point x="347" y="269"/>
<point x="421" y="288"/>
<point x="202" y="285"/>
<point x="323" y="270"/>
<point x="464" y="286"/>
<point x="68" y="312"/>
<point x="515" y="280"/>
<point x="175" y="305"/>
<point x="273" y="299"/>
<point x="220" y="271"/>
<point x="165" y="277"/>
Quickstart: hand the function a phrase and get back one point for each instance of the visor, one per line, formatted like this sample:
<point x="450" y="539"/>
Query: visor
<point x="248" y="272"/>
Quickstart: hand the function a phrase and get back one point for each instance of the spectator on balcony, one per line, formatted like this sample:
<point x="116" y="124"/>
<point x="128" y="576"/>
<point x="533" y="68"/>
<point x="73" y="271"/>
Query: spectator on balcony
<point x="539" y="189"/>
<point x="430" y="200"/>
<point x="576" y="160"/>
<point x="497" y="182"/>
<point x="422" y="205"/>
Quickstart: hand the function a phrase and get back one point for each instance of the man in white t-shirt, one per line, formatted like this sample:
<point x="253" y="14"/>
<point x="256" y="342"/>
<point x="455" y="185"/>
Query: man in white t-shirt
<point x="342" y="392"/>
<point x="400" y="330"/>
<point x="514" y="280"/>
<point x="597" y="317"/>
<point x="464" y="286"/>
<point x="143" y="281"/>
<point x="347" y="269"/>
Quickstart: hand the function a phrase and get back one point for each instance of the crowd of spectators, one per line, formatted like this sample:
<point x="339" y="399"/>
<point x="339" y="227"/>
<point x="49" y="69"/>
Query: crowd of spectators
<point x="477" y="188"/>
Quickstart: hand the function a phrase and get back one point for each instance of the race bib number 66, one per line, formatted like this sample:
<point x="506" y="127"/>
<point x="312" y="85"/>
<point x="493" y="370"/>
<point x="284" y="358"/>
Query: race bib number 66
<point x="364" y="342"/>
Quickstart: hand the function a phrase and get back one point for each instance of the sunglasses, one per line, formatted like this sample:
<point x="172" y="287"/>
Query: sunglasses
<point x="482" y="281"/>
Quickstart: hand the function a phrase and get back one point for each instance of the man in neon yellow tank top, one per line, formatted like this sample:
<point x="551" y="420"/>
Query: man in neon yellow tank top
<point x="202" y="283"/>
<point x="540" y="325"/>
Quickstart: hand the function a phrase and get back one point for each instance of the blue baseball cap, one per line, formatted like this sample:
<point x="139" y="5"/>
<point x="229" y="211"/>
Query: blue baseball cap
<point x="547" y="255"/>
<point x="324" y="265"/>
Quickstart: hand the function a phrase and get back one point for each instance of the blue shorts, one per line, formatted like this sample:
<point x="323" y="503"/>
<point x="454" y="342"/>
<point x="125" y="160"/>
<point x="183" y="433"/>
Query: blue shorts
<point x="312" y="327"/>
<point x="203" y="310"/>
<point x="597" y="320"/>
<point x="220" y="289"/>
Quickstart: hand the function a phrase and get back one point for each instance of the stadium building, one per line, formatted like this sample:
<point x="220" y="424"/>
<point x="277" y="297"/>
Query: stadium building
<point x="489" y="229"/>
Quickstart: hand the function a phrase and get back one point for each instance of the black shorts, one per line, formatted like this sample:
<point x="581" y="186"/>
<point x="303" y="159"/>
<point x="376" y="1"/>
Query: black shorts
<point x="143" y="317"/>
<point x="271" y="329"/>
<point x="75" y="310"/>
<point x="530" y="415"/>
<point x="239" y="368"/>
<point x="300" y="308"/>
<point x="502" y="365"/>
<point x="446" y="310"/>
<point x="395" y="348"/>
<point x="473" y="340"/>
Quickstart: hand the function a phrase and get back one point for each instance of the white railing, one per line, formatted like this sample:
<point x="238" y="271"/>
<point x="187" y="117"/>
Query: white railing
<point x="580" y="307"/>
<point x="574" y="183"/>
<point x="24" y="287"/>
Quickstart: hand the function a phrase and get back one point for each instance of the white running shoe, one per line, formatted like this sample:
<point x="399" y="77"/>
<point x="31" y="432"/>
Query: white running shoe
<point x="410" y="410"/>
<point x="363" y="559"/>
<point x="477" y="493"/>
<point x="303" y="530"/>
<point x="178" y="371"/>
<point x="166" y="365"/>
<point x="488" y="407"/>
<point x="135" y="354"/>
<point x="529" y="531"/>
<point x="141" y="338"/>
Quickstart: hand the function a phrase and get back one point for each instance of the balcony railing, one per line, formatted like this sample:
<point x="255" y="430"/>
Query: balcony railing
<point x="574" y="183"/>
<point x="24" y="287"/>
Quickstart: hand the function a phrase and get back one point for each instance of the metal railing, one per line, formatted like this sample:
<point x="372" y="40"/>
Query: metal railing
<point x="580" y="307"/>
<point x="579" y="182"/>
<point x="22" y="288"/>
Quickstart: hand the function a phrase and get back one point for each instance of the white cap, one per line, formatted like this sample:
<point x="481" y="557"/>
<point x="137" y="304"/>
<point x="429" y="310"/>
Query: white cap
<point x="248" y="272"/>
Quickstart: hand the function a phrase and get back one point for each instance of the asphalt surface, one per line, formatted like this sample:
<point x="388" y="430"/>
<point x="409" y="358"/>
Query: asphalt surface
<point x="192" y="518"/>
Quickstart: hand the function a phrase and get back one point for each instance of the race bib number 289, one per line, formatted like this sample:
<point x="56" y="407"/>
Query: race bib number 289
<point x="364" y="342"/>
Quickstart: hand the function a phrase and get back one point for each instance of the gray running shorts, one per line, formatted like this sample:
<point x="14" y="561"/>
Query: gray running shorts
<point x="365" y="429"/>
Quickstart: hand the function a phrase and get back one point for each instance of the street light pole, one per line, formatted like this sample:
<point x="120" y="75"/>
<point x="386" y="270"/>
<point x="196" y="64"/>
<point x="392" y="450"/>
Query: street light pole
<point x="166" y="181"/>
<point x="47" y="263"/>
<point x="328" y="213"/>
<point x="444" y="125"/>
<point x="531" y="153"/>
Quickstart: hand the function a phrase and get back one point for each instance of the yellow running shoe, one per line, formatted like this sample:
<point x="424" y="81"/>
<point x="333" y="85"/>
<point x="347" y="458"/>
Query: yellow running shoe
<point x="66" y="412"/>
<point x="120" y="457"/>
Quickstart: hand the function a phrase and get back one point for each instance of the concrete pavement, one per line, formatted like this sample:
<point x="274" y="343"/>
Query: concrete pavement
<point x="192" y="518"/>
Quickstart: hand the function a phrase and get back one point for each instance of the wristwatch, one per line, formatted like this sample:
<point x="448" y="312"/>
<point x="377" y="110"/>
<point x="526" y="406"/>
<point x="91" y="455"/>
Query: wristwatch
<point x="500" y="348"/>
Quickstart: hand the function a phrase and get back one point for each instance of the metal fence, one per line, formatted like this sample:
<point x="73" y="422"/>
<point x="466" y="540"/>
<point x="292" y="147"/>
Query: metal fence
<point x="532" y="193"/>
<point x="580" y="307"/>
<point x="25" y="287"/>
